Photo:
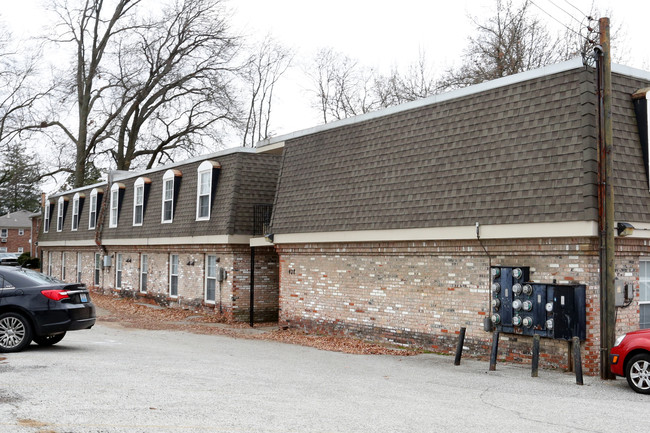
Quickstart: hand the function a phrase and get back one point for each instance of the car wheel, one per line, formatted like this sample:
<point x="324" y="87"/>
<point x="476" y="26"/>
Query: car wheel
<point x="48" y="340"/>
<point x="637" y="373"/>
<point x="15" y="332"/>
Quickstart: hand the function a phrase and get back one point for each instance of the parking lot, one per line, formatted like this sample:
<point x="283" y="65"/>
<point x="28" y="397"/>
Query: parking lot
<point x="115" y="379"/>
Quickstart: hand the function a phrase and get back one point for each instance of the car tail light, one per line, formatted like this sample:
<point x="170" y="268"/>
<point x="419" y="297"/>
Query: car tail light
<point x="55" y="295"/>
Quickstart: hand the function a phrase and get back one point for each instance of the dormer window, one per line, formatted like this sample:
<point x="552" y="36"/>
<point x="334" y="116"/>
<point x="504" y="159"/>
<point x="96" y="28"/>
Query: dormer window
<point x="60" y="213"/>
<point x="205" y="180"/>
<point x="116" y="195"/>
<point x="171" y="185"/>
<point x="77" y="203"/>
<point x="47" y="216"/>
<point x="140" y="193"/>
<point x="93" y="207"/>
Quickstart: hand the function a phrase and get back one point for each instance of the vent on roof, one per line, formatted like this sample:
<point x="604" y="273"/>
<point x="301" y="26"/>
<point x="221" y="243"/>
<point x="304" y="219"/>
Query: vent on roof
<point x="261" y="218"/>
<point x="640" y="99"/>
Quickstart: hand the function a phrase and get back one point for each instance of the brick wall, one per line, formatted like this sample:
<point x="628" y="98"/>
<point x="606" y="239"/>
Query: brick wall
<point x="15" y="241"/>
<point x="232" y="295"/>
<point x="424" y="292"/>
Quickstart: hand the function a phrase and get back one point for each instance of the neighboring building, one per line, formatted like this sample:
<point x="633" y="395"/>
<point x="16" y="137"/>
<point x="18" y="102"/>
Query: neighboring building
<point x="179" y="234"/>
<point x="36" y="221"/>
<point x="15" y="232"/>
<point x="375" y="217"/>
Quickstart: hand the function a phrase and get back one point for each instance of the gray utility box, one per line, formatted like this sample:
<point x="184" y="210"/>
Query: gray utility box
<point x="526" y="308"/>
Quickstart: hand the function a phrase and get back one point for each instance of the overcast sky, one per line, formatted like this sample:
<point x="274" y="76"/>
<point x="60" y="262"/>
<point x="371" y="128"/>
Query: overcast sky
<point x="379" y="33"/>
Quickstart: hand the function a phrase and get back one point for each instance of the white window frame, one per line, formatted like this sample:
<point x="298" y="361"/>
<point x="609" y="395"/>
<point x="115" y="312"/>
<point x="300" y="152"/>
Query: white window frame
<point x="21" y="232"/>
<point x="211" y="277"/>
<point x="118" y="270"/>
<point x="46" y="217"/>
<point x="97" y="271"/>
<point x="138" y="186"/>
<point x="168" y="196"/>
<point x="59" y="214"/>
<point x="21" y="250"/>
<point x="4" y="233"/>
<point x="144" y="272"/>
<point x="644" y="291"/>
<point x="49" y="263"/>
<point x="114" y="205"/>
<point x="79" y="269"/>
<point x="203" y="190"/>
<point x="174" y="265"/>
<point x="92" y="210"/>
<point x="75" y="212"/>
<point x="63" y="265"/>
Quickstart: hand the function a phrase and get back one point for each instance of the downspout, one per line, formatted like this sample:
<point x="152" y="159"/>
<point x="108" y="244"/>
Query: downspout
<point x="487" y="325"/>
<point x="251" y="308"/>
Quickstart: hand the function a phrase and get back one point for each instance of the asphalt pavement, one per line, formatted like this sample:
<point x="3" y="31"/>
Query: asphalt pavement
<point x="114" y="379"/>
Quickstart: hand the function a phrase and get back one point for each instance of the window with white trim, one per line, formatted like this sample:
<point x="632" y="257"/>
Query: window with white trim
<point x="63" y="266"/>
<point x="168" y="197"/>
<point x="644" y="294"/>
<point x="210" y="279"/>
<point x="98" y="268"/>
<point x="114" y="205"/>
<point x="204" y="190"/>
<point x="78" y="267"/>
<point x="144" y="271"/>
<point x="59" y="214"/>
<point x="21" y="232"/>
<point x="138" y="202"/>
<point x="49" y="263"/>
<point x="20" y="250"/>
<point x="92" y="210"/>
<point x="75" y="212"/>
<point x="4" y="233"/>
<point x="46" y="217"/>
<point x="173" y="275"/>
<point x="118" y="270"/>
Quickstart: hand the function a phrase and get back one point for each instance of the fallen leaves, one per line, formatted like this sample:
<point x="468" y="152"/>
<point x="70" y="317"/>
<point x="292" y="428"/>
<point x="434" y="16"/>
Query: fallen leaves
<point x="133" y="314"/>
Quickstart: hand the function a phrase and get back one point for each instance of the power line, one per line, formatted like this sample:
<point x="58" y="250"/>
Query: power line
<point x="557" y="20"/>
<point x="574" y="7"/>
<point x="563" y="10"/>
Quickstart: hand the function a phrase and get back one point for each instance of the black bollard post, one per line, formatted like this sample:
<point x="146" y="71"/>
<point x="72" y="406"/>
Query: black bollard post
<point x="535" y="356"/>
<point x="577" y="360"/>
<point x="459" y="348"/>
<point x="495" y="349"/>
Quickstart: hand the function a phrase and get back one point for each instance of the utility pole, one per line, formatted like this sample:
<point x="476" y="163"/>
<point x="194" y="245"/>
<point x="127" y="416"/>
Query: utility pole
<point x="606" y="189"/>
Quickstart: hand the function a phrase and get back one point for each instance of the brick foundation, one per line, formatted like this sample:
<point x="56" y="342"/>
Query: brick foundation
<point x="423" y="292"/>
<point x="232" y="294"/>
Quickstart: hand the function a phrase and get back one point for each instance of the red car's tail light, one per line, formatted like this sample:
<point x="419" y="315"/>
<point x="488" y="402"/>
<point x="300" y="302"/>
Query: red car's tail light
<point x="55" y="295"/>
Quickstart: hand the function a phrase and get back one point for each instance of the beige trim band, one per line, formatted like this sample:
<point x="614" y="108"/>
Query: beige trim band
<point x="505" y="231"/>
<point x="186" y="240"/>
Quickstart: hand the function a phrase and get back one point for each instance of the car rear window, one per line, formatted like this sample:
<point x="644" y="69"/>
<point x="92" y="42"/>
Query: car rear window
<point x="27" y="278"/>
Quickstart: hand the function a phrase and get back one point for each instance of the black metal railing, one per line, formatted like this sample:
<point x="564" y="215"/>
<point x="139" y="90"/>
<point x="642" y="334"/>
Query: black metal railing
<point x="261" y="219"/>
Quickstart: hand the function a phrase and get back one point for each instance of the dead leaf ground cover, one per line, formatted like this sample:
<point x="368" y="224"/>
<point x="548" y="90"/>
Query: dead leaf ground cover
<point x="135" y="314"/>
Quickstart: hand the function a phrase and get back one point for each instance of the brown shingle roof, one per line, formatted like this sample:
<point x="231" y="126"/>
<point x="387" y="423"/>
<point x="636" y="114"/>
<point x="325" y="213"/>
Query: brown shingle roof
<point x="521" y="153"/>
<point x="244" y="179"/>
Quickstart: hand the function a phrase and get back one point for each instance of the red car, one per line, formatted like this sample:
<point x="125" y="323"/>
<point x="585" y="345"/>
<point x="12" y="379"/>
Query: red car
<point x="630" y="357"/>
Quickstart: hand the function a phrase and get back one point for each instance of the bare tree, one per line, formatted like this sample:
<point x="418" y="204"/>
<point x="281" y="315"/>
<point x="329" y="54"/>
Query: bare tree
<point x="261" y="74"/>
<point x="343" y="87"/>
<point x="175" y="76"/>
<point x="18" y="91"/>
<point x="416" y="83"/>
<point x="509" y="42"/>
<point x="143" y="88"/>
<point x="90" y="26"/>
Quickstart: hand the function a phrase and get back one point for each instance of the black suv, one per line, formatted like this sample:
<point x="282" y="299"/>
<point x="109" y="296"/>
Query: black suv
<point x="36" y="307"/>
